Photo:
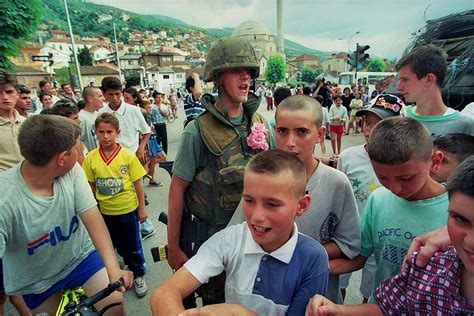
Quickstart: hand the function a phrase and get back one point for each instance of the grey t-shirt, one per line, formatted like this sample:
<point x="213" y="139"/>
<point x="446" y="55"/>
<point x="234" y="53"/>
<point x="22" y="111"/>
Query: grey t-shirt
<point x="42" y="239"/>
<point x="331" y="216"/>
<point x="88" y="129"/>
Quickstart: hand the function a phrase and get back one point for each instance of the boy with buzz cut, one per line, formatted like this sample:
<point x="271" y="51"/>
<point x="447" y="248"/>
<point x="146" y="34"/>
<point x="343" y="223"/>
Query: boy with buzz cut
<point x="271" y="268"/>
<point x="409" y="204"/>
<point x="48" y="216"/>
<point x="444" y="286"/>
<point x="421" y="75"/>
<point x="355" y="163"/>
<point x="332" y="217"/>
<point x="114" y="175"/>
<point x="456" y="148"/>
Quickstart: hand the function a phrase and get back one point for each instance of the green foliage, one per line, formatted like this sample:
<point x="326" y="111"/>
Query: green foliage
<point x="85" y="57"/>
<point x="376" y="64"/>
<point x="318" y="71"/>
<point x="19" y="20"/>
<point x="308" y="74"/>
<point x="63" y="74"/>
<point x="276" y="69"/>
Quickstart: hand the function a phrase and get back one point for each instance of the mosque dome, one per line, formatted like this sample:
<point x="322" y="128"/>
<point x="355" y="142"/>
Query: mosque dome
<point x="251" y="27"/>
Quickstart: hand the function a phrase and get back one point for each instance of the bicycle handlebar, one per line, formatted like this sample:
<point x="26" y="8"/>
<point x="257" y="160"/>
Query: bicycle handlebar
<point x="103" y="293"/>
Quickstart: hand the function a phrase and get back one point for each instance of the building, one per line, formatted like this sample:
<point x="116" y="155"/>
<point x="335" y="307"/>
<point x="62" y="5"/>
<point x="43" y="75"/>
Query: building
<point x="31" y="77"/>
<point x="337" y="62"/>
<point x="163" y="78"/>
<point x="305" y="60"/>
<point x="261" y="40"/>
<point x="60" y="46"/>
<point x="24" y="57"/>
<point x="95" y="74"/>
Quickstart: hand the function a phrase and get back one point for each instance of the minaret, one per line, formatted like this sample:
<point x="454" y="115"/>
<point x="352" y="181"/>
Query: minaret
<point x="280" y="44"/>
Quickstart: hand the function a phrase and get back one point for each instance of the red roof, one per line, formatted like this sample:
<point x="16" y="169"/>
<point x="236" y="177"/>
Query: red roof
<point x="305" y="57"/>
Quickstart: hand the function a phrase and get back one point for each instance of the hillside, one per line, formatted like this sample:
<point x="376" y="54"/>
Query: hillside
<point x="90" y="19"/>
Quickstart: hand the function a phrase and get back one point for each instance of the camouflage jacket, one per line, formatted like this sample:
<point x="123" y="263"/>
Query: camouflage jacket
<point x="216" y="189"/>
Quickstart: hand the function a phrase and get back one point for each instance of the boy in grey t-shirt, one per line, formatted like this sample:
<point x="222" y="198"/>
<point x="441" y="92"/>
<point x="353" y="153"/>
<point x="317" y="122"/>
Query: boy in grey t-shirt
<point x="47" y="213"/>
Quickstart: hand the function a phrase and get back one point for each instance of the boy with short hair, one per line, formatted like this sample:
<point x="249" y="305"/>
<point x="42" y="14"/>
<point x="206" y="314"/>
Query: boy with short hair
<point x="445" y="285"/>
<point x="332" y="217"/>
<point x="270" y="267"/>
<point x="400" y="151"/>
<point x="355" y="163"/>
<point x="47" y="213"/>
<point x="114" y="175"/>
<point x="10" y="123"/>
<point x="456" y="148"/>
<point x="421" y="75"/>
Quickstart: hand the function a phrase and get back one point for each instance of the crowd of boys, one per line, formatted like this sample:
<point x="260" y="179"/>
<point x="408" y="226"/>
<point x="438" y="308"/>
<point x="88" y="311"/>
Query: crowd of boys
<point x="252" y="228"/>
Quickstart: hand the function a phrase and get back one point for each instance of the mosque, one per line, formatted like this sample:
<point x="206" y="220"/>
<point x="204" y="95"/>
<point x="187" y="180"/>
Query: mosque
<point x="261" y="40"/>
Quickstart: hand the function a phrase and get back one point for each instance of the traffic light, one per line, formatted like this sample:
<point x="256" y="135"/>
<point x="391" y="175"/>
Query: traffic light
<point x="352" y="59"/>
<point x="361" y="55"/>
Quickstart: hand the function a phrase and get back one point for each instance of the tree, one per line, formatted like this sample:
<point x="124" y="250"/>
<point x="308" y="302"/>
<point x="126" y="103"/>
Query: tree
<point x="377" y="65"/>
<point x="20" y="19"/>
<point x="308" y="74"/>
<point x="276" y="69"/>
<point x="85" y="57"/>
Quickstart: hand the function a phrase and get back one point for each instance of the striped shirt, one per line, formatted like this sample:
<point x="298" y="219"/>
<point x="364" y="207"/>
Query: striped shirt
<point x="433" y="290"/>
<point x="192" y="108"/>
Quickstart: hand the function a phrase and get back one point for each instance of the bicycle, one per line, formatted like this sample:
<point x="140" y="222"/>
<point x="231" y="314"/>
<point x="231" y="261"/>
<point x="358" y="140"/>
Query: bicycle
<point x="74" y="301"/>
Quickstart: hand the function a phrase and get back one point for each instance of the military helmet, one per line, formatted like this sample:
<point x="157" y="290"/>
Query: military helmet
<point x="230" y="53"/>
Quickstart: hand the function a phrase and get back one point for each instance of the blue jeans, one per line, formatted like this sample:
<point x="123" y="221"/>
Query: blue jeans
<point x="125" y="233"/>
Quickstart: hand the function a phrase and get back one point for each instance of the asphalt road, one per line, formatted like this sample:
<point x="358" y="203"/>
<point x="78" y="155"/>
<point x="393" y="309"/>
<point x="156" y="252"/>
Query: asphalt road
<point x="158" y="198"/>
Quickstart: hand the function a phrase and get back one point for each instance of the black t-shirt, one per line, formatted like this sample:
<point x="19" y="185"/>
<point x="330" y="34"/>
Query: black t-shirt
<point x="346" y="101"/>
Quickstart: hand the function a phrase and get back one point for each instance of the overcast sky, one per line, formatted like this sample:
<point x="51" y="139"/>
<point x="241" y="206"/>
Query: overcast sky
<point x="325" y="25"/>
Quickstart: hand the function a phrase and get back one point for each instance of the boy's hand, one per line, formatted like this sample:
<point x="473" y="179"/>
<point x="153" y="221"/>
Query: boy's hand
<point x="142" y="215"/>
<point x="127" y="279"/>
<point x="428" y="244"/>
<point x="176" y="258"/>
<point x="319" y="305"/>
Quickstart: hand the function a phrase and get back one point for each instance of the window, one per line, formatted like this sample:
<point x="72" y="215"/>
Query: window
<point x="345" y="79"/>
<point x="21" y="58"/>
<point x="130" y="62"/>
<point x="166" y="58"/>
<point x="166" y="76"/>
<point x="372" y="79"/>
<point x="179" y="76"/>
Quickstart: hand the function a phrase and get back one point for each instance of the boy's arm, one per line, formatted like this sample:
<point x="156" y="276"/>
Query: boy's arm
<point x="176" y="256"/>
<point x="197" y="91"/>
<point x="95" y="225"/>
<point x="141" y="147"/>
<point x="340" y="266"/>
<point x="219" y="309"/>
<point x="319" y="306"/>
<point x="168" y="298"/>
<point x="142" y="213"/>
<point x="333" y="250"/>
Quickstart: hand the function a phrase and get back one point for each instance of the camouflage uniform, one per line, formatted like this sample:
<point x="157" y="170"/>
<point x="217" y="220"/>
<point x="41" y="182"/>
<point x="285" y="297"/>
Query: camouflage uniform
<point x="216" y="189"/>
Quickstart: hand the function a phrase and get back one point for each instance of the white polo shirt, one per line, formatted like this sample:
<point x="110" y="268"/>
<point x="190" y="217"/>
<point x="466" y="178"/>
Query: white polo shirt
<point x="278" y="283"/>
<point x="132" y="124"/>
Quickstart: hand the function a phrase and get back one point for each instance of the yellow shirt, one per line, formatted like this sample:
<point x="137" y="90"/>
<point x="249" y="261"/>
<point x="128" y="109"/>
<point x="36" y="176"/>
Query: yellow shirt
<point x="113" y="178"/>
<point x="9" y="149"/>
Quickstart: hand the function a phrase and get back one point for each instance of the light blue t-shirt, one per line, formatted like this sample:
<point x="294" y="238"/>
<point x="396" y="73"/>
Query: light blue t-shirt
<point x="42" y="239"/>
<point x="389" y="224"/>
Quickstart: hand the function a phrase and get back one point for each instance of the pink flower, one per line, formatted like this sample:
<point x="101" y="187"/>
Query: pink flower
<point x="257" y="138"/>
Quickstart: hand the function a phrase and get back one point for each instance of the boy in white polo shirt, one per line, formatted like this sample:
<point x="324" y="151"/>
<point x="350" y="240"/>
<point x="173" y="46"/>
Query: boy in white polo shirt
<point x="271" y="269"/>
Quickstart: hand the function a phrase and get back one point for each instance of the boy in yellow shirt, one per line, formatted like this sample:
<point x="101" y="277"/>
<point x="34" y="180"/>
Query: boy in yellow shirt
<point x="114" y="175"/>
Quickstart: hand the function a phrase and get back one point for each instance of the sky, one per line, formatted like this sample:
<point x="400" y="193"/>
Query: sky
<point x="386" y="25"/>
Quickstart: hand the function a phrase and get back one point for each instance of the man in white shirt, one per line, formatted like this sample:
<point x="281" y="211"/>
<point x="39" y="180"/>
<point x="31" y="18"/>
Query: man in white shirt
<point x="94" y="101"/>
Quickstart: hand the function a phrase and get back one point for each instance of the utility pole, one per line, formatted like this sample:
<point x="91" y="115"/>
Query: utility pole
<point x="117" y="54"/>
<point x="78" y="68"/>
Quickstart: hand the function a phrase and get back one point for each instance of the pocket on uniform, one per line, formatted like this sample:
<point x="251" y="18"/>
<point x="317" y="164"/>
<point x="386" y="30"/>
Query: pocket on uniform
<point x="230" y="185"/>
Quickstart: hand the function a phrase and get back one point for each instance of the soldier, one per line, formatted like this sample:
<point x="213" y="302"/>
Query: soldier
<point x="207" y="180"/>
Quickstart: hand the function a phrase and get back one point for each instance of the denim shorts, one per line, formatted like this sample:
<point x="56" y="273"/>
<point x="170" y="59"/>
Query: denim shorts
<point x="80" y="275"/>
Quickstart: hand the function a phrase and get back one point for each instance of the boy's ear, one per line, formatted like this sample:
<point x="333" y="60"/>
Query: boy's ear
<point x="60" y="158"/>
<point x="118" y="132"/>
<point x="303" y="204"/>
<point x="436" y="160"/>
<point x="430" y="79"/>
